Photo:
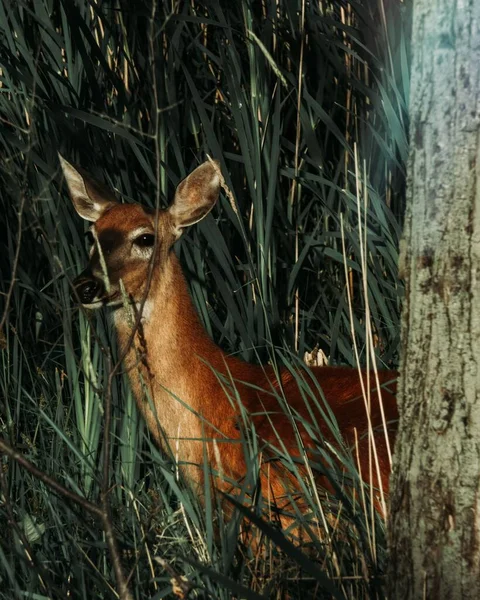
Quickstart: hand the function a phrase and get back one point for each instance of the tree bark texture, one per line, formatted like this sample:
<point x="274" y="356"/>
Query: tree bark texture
<point x="434" y="532"/>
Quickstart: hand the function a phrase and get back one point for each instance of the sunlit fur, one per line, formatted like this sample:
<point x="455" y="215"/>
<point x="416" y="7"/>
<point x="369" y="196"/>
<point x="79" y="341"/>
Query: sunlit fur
<point x="172" y="363"/>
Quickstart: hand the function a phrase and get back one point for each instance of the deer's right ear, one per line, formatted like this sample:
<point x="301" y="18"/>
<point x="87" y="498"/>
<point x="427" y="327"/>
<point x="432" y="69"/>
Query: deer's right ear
<point x="90" y="198"/>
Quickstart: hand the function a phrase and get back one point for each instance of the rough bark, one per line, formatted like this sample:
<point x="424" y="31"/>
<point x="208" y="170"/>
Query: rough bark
<point x="434" y="534"/>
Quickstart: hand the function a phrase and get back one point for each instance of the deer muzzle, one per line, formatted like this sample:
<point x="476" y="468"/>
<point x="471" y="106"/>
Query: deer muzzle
<point x="87" y="289"/>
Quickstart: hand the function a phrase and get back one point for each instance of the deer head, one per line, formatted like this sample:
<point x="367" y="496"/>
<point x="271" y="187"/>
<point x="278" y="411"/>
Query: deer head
<point x="126" y="238"/>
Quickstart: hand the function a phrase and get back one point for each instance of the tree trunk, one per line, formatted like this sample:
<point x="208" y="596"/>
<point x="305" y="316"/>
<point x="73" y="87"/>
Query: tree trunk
<point x="434" y="531"/>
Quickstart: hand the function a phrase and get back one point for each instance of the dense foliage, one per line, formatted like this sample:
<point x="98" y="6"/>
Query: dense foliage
<point x="304" y="104"/>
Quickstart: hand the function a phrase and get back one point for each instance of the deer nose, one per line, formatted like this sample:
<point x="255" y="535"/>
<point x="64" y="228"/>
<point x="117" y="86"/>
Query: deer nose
<point x="86" y="290"/>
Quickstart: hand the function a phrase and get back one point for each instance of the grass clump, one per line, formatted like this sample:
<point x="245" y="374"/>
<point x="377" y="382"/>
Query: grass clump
<point x="304" y="104"/>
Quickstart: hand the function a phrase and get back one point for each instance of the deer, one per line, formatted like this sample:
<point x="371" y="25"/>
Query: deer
<point x="182" y="381"/>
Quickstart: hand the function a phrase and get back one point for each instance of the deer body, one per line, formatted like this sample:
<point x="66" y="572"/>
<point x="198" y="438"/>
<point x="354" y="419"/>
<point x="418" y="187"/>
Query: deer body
<point x="181" y="380"/>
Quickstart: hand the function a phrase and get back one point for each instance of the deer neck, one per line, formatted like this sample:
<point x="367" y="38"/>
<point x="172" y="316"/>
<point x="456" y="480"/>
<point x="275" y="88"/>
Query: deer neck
<point x="171" y="361"/>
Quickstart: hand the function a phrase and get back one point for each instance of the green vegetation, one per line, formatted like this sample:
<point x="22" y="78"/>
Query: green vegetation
<point x="304" y="104"/>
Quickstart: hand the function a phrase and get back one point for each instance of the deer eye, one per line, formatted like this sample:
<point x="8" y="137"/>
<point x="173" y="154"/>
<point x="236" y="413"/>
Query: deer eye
<point x="146" y="240"/>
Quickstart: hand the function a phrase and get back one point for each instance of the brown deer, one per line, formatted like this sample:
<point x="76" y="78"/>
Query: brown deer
<point x="185" y="386"/>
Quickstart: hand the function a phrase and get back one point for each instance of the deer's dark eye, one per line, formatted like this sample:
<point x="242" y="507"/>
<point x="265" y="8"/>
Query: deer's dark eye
<point x="146" y="240"/>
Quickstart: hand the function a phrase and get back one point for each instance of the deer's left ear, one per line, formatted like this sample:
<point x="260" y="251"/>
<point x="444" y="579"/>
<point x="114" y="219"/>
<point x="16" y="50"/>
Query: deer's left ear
<point x="90" y="198"/>
<point x="196" y="196"/>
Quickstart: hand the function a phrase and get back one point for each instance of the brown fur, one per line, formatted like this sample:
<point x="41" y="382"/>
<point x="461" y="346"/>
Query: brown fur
<point x="172" y="362"/>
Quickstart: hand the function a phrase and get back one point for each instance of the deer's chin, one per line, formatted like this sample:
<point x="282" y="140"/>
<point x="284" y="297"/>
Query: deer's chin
<point x="114" y="300"/>
<point x="95" y="305"/>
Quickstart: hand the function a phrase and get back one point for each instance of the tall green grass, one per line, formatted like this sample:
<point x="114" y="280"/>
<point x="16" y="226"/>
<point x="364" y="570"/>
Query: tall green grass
<point x="304" y="104"/>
